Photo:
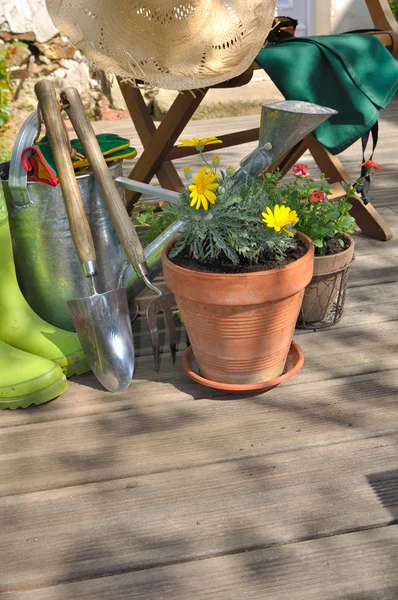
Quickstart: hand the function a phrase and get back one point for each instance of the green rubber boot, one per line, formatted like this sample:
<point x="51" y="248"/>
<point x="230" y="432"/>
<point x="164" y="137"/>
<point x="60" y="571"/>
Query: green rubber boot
<point x="20" y="326"/>
<point x="27" y="379"/>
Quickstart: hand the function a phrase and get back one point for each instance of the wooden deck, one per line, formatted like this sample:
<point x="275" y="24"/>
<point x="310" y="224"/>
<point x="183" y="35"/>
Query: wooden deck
<point x="170" y="491"/>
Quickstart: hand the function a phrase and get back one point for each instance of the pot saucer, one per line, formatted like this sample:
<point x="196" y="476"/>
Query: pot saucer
<point x="294" y="362"/>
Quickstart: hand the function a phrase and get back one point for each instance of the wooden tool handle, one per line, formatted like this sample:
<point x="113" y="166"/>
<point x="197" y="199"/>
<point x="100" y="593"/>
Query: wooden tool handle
<point x="125" y="231"/>
<point x="80" y="229"/>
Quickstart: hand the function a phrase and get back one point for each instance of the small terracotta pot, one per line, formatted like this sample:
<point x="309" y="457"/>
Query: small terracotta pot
<point x="325" y="294"/>
<point x="240" y="325"/>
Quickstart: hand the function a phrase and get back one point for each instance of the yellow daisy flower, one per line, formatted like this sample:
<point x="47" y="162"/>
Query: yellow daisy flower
<point x="199" y="143"/>
<point x="202" y="188"/>
<point x="280" y="217"/>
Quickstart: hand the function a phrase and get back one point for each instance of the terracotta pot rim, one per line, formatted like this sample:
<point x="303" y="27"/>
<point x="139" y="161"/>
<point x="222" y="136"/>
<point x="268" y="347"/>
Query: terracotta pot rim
<point x="329" y="256"/>
<point x="218" y="276"/>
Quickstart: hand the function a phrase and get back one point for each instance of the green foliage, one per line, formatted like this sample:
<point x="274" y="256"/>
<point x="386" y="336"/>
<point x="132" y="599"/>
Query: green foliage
<point x="5" y="86"/>
<point x="5" y="150"/>
<point x="232" y="228"/>
<point x="320" y="221"/>
<point x="153" y="221"/>
<point x="6" y="54"/>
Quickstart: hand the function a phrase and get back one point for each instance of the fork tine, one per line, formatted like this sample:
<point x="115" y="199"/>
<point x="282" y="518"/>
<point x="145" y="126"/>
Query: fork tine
<point x="151" y="315"/>
<point x="164" y="304"/>
<point x="155" y="350"/>
<point x="167" y="303"/>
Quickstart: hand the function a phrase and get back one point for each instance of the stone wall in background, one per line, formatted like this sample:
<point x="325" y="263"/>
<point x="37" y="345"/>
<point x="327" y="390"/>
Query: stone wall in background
<point x="45" y="53"/>
<point x="20" y="16"/>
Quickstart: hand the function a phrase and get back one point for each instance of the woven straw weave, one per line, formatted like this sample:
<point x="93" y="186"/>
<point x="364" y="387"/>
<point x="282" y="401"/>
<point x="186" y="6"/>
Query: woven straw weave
<point x="172" y="44"/>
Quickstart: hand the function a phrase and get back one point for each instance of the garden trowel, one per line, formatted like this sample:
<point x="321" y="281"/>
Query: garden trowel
<point x="102" y="320"/>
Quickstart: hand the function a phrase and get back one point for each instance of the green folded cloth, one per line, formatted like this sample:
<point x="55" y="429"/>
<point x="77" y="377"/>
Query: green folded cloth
<point x="351" y="73"/>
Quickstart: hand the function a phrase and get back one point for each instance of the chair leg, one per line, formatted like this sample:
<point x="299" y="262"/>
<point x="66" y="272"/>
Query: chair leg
<point x="158" y="142"/>
<point x="145" y="127"/>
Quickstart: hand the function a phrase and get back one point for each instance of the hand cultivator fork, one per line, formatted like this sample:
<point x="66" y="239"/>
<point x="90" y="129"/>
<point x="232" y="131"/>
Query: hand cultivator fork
<point x="164" y="303"/>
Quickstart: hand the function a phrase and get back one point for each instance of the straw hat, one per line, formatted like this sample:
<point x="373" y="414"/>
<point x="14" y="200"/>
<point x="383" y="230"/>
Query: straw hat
<point x="172" y="44"/>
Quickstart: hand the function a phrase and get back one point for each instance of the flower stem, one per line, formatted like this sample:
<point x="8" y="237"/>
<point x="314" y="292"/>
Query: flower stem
<point x="204" y="160"/>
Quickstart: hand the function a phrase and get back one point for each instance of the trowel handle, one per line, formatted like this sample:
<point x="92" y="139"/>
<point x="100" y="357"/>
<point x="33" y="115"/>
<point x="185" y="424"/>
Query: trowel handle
<point x="82" y="238"/>
<point x="121" y="220"/>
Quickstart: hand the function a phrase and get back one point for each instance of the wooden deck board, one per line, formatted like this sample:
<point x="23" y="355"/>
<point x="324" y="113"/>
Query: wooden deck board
<point x="181" y="425"/>
<point x="170" y="490"/>
<point x="217" y="509"/>
<point x="356" y="566"/>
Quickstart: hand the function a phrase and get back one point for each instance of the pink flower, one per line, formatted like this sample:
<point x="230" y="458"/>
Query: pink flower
<point x="300" y="170"/>
<point x="318" y="196"/>
<point x="372" y="165"/>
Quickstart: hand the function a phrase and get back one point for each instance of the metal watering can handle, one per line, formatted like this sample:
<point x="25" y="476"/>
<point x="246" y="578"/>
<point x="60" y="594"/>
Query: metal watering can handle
<point x="18" y="177"/>
<point x="80" y="229"/>
<point x="127" y="235"/>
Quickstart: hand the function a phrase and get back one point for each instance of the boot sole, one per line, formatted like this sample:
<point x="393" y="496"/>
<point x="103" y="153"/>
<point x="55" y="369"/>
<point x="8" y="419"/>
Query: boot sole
<point x="40" y="397"/>
<point x="76" y="369"/>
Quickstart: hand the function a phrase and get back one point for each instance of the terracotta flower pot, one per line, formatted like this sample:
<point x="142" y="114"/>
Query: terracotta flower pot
<point x="324" y="297"/>
<point x="240" y="325"/>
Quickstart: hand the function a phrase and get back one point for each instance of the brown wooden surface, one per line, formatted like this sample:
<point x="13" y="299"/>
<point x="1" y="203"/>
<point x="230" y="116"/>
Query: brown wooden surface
<point x="172" y="491"/>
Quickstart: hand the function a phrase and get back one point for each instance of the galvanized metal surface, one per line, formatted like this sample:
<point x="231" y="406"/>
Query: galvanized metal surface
<point x="48" y="267"/>
<point x="283" y="125"/>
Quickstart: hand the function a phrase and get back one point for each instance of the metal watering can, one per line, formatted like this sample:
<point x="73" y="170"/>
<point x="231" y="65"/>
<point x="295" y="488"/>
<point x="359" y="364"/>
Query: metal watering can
<point x="48" y="268"/>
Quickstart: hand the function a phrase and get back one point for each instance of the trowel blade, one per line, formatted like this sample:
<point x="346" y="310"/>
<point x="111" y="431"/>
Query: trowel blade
<point x="102" y="322"/>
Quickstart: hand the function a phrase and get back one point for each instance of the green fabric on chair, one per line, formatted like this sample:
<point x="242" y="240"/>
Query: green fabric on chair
<point x="352" y="73"/>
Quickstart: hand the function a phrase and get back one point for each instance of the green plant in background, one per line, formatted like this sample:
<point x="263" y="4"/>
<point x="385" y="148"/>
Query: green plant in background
<point x="5" y="150"/>
<point x="153" y="221"/>
<point x="5" y="84"/>
<point x="7" y="54"/>
<point x="323" y="219"/>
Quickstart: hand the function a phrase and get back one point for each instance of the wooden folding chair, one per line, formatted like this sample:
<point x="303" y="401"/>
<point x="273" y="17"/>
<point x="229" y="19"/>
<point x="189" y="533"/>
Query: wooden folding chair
<point x="160" y="150"/>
